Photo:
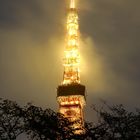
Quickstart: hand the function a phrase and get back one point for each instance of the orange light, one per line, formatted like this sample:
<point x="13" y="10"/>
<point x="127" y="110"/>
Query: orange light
<point x="71" y="55"/>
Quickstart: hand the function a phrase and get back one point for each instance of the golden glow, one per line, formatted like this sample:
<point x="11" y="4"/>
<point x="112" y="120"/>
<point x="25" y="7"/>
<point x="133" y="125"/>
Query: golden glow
<point x="72" y="4"/>
<point x="71" y="55"/>
<point x="72" y="105"/>
<point x="72" y="108"/>
<point x="72" y="100"/>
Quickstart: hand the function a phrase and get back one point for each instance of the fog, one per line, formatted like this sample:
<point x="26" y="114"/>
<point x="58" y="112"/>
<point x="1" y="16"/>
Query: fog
<point x="32" y="41"/>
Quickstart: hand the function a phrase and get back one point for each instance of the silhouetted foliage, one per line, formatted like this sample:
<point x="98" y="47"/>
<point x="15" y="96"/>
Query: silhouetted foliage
<point x="46" y="124"/>
<point x="11" y="120"/>
<point x="114" y="123"/>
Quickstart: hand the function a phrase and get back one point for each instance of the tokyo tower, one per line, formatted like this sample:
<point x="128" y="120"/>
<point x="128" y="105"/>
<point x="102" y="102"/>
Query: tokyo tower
<point x="71" y="93"/>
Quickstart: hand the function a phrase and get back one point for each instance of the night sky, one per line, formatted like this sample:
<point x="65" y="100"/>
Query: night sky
<point x="32" y="41"/>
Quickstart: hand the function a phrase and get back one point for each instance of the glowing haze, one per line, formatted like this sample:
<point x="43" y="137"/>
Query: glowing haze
<point x="32" y="43"/>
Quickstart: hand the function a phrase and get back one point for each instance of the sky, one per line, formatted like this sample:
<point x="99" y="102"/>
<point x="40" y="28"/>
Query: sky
<point x="32" y="41"/>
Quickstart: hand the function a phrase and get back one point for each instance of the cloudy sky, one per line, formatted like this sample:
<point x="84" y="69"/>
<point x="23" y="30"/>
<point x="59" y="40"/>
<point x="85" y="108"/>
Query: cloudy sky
<point x="32" y="41"/>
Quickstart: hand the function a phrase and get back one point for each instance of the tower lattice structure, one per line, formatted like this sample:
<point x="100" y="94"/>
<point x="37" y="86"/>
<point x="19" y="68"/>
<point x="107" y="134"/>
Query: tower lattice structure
<point x="71" y="94"/>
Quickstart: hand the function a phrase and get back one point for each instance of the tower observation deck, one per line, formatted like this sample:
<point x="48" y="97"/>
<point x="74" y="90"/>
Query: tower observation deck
<point x="71" y="94"/>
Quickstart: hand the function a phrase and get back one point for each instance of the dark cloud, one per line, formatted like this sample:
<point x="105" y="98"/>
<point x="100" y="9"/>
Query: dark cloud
<point x="32" y="35"/>
<point x="114" y="27"/>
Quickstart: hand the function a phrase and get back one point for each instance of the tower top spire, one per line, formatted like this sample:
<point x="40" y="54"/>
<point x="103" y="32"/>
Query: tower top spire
<point x="72" y="3"/>
<point x="71" y="57"/>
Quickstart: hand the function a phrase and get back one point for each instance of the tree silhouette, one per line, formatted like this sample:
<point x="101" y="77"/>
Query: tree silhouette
<point x="46" y="124"/>
<point x="114" y="123"/>
<point x="11" y="120"/>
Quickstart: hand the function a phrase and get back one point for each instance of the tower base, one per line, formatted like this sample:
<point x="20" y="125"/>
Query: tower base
<point x="71" y="99"/>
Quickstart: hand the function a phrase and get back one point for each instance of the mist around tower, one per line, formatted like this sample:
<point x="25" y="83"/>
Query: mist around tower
<point x="56" y="80"/>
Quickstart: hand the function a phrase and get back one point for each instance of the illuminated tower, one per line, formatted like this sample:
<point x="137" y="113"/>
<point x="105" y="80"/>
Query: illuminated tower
<point x="71" y="94"/>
